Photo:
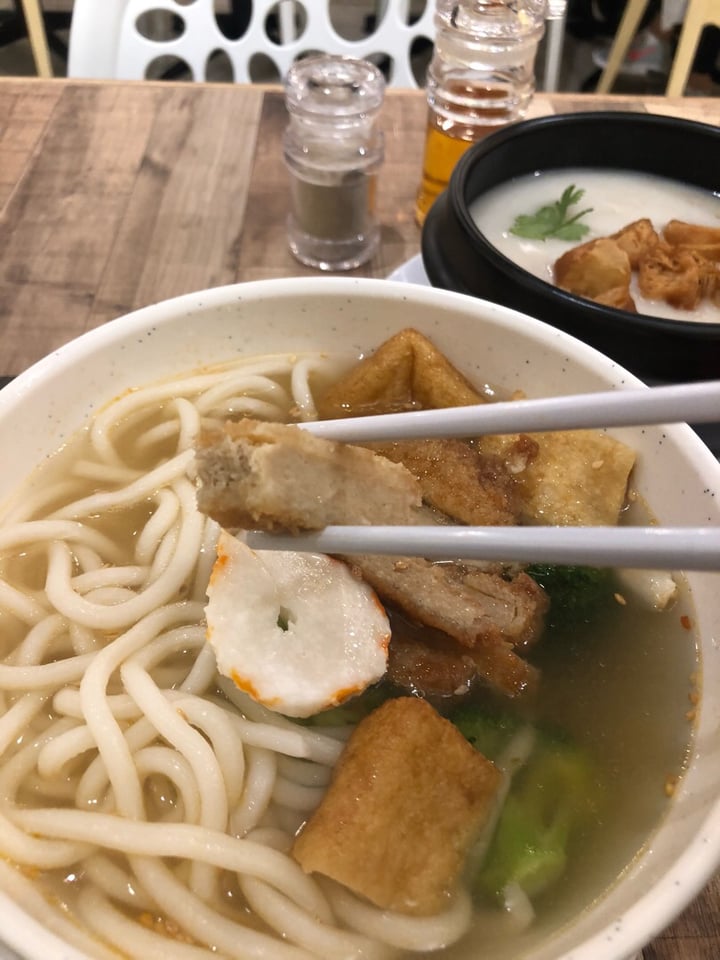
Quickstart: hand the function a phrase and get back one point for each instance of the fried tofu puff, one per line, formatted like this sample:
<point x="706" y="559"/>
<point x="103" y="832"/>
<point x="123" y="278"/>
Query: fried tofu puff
<point x="295" y="631"/>
<point x="408" y="798"/>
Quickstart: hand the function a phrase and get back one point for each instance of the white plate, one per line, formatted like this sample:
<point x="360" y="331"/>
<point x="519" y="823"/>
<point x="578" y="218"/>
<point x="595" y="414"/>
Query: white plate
<point x="412" y="271"/>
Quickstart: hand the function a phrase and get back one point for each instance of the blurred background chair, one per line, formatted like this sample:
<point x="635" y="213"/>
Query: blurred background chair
<point x="37" y="36"/>
<point x="697" y="15"/>
<point x="628" y="28"/>
<point x="136" y="39"/>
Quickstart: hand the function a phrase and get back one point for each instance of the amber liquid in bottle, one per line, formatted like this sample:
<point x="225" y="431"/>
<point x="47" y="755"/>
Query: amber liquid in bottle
<point x="446" y="140"/>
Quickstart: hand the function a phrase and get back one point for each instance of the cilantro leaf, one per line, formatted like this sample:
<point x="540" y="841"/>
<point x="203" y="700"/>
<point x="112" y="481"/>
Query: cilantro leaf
<point x="553" y="219"/>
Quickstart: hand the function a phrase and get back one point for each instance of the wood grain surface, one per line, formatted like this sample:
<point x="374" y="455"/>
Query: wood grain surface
<point x="116" y="195"/>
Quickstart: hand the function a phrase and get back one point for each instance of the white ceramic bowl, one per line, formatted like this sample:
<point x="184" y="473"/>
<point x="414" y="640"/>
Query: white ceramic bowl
<point x="676" y="474"/>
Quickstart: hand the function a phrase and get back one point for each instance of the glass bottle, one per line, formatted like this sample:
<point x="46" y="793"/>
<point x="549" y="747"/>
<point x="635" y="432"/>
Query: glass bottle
<point x="481" y="77"/>
<point x="333" y="152"/>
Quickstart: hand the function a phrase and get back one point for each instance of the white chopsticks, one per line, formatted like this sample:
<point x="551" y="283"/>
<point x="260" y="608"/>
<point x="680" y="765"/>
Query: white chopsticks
<point x="658" y="548"/>
<point x="687" y="402"/>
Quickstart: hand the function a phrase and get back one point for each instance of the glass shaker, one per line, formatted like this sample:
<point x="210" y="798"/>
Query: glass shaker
<point x="333" y="152"/>
<point x="481" y="77"/>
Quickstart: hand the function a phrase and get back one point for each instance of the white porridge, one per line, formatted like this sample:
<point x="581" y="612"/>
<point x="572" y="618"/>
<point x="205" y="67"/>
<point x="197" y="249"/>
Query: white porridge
<point x="616" y="197"/>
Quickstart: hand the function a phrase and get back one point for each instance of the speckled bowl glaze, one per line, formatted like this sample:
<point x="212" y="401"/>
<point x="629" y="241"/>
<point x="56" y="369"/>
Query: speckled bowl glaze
<point x="676" y="475"/>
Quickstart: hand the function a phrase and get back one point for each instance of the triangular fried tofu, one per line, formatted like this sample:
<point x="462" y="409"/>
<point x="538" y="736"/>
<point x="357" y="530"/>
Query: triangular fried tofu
<point x="406" y="372"/>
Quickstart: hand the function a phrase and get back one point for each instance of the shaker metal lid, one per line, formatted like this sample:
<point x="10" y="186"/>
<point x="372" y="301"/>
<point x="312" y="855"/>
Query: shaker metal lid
<point x="334" y="87"/>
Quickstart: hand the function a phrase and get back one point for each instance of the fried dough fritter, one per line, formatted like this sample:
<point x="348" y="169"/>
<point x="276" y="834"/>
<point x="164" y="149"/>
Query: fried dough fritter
<point x="593" y="268"/>
<point x="636" y="239"/>
<point x="680" y="268"/>
<point x="670" y="274"/>
<point x="709" y="279"/>
<point x="681" y="234"/>
<point x="618" y="297"/>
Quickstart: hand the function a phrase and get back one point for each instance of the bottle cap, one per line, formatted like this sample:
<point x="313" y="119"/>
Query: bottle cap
<point x="334" y="89"/>
<point x="483" y="19"/>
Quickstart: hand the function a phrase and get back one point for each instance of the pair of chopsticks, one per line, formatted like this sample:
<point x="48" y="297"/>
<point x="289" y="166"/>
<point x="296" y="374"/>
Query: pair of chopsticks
<point x="678" y="548"/>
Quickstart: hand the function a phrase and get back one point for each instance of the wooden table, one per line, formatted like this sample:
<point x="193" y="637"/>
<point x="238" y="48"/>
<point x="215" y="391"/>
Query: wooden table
<point x="116" y="195"/>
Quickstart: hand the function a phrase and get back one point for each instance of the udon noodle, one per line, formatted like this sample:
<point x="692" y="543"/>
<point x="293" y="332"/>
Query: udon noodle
<point x="149" y="798"/>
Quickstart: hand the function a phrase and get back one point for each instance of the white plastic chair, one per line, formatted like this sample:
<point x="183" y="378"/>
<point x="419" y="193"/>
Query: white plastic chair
<point x="105" y="41"/>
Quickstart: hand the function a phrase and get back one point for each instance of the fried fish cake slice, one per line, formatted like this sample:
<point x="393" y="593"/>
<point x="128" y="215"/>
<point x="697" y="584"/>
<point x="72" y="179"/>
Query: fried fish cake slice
<point x="274" y="476"/>
<point x="593" y="268"/>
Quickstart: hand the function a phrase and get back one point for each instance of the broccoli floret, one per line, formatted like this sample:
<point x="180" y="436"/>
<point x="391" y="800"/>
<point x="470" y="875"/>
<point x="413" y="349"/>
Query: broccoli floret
<point x="554" y="793"/>
<point x="488" y="734"/>
<point x="576" y="593"/>
<point x="524" y="851"/>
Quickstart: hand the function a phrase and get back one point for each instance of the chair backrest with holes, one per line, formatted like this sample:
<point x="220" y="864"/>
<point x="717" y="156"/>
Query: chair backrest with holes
<point x="116" y="39"/>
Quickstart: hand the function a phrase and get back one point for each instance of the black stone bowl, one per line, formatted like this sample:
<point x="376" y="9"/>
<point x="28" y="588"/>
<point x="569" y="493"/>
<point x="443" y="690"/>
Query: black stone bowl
<point x="457" y="256"/>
